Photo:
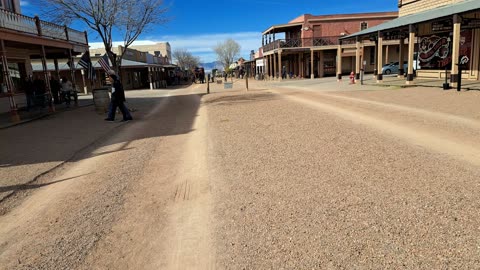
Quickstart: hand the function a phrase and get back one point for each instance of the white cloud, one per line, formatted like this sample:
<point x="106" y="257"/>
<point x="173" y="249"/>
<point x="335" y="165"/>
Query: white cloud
<point x="24" y="3"/>
<point x="202" y="45"/>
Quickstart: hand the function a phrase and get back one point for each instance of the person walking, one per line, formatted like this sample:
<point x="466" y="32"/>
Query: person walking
<point x="29" y="93"/>
<point x="55" y="86"/>
<point x="117" y="100"/>
<point x="67" y="89"/>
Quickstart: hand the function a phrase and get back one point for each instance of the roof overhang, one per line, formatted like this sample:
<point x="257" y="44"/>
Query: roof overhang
<point x="421" y="17"/>
<point x="281" y="28"/>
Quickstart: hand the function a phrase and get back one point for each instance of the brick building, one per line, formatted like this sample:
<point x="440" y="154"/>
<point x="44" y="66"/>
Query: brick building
<point x="308" y="46"/>
<point x="443" y="35"/>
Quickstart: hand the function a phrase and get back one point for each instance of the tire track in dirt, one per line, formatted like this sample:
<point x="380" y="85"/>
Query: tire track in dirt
<point x="189" y="245"/>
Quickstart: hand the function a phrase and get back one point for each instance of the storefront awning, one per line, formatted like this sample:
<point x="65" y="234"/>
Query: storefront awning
<point x="425" y="16"/>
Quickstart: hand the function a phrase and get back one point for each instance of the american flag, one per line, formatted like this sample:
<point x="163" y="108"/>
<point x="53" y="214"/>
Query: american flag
<point x="86" y="63"/>
<point x="104" y="63"/>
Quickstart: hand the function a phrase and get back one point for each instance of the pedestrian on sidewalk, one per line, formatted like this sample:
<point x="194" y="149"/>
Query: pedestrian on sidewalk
<point x="39" y="91"/>
<point x="117" y="100"/>
<point x="29" y="93"/>
<point x="67" y="89"/>
<point x="55" y="86"/>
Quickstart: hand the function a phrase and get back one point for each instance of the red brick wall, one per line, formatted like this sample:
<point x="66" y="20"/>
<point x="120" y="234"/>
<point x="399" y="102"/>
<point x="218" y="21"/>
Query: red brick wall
<point x="334" y="25"/>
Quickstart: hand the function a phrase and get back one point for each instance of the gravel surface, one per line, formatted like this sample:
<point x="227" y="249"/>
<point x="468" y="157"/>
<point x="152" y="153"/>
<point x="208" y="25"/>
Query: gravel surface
<point x="309" y="178"/>
<point x="303" y="188"/>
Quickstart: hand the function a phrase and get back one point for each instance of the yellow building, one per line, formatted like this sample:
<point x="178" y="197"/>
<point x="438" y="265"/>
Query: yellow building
<point x="159" y="49"/>
<point x="442" y="37"/>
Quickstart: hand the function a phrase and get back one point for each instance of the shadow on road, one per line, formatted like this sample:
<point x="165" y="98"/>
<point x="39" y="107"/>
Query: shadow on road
<point x="34" y="186"/>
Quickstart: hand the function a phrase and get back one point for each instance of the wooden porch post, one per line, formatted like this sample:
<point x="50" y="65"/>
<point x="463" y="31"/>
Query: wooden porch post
<point x="312" y="76"/>
<point x="72" y="73"/>
<point x="411" y="51"/>
<point x="455" y="50"/>
<point x="9" y="85"/>
<point x="401" y="71"/>
<point x="300" y="65"/>
<point x="339" y="62"/>
<point x="280" y="65"/>
<point x="274" y="66"/>
<point x="48" y="91"/>
<point x="357" y="60"/>
<point x="321" y="65"/>
<point x="380" y="58"/>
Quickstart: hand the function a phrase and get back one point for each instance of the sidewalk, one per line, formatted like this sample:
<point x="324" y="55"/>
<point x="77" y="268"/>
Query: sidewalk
<point x="369" y="83"/>
<point x="393" y="80"/>
<point x="37" y="113"/>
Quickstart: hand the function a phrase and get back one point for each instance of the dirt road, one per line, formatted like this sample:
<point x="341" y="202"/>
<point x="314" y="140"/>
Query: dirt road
<point x="270" y="179"/>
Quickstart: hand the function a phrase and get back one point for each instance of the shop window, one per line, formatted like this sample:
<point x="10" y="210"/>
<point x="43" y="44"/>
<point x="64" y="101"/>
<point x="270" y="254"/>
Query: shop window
<point x="18" y="75"/>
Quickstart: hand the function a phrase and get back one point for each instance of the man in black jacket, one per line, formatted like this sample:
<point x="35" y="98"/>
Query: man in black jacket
<point x="118" y="97"/>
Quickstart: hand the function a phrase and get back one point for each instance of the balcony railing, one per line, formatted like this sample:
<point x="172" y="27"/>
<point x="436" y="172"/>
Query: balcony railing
<point x="35" y="26"/>
<point x="303" y="43"/>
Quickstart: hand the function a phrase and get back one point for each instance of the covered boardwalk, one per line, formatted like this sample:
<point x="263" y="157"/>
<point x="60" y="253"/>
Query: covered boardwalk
<point x="444" y="40"/>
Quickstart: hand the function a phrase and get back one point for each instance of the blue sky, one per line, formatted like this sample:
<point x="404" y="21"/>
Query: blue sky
<point x="198" y="25"/>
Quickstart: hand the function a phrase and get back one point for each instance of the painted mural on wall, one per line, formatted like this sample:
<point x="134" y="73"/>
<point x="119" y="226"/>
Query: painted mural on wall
<point x="435" y="51"/>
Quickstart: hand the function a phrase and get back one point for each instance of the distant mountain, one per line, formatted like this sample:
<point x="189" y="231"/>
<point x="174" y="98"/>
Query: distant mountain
<point x="212" y="65"/>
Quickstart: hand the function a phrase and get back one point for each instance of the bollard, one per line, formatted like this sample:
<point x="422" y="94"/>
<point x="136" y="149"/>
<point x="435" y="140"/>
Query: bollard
<point x="459" y="79"/>
<point x="446" y="86"/>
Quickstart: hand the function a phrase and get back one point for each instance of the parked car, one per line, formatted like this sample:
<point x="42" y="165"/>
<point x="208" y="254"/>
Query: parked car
<point x="393" y="67"/>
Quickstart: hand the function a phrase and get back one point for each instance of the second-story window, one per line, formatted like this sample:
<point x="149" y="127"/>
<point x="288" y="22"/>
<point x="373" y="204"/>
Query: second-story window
<point x="8" y="5"/>
<point x="363" y="26"/>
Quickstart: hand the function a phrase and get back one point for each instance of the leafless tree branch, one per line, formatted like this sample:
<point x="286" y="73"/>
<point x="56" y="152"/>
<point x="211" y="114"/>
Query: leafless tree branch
<point x="104" y="17"/>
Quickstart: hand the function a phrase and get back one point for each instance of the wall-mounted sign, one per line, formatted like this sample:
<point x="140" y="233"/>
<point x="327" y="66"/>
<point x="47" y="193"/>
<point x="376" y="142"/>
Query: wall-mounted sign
<point x="442" y="26"/>
<point x="435" y="51"/>
<point x="393" y="35"/>
<point x="470" y="23"/>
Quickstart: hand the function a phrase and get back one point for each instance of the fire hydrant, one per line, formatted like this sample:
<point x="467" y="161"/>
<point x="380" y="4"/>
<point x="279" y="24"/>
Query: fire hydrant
<point x="352" y="78"/>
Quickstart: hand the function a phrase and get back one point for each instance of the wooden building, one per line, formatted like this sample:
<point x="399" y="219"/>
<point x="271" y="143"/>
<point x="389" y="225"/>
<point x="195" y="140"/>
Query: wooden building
<point x="24" y="38"/>
<point x="442" y="36"/>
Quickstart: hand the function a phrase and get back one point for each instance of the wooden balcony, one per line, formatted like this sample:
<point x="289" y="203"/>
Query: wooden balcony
<point x="36" y="27"/>
<point x="301" y="43"/>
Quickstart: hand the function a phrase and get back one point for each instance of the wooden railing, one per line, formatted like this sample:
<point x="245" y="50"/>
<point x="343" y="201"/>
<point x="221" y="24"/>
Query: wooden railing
<point x="301" y="43"/>
<point x="17" y="22"/>
<point x="35" y="26"/>
<point x="52" y="30"/>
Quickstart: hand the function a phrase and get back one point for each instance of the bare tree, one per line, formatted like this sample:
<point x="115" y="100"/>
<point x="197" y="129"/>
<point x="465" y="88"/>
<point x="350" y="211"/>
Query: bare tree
<point x="226" y="52"/>
<point x="185" y="60"/>
<point x="128" y="18"/>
